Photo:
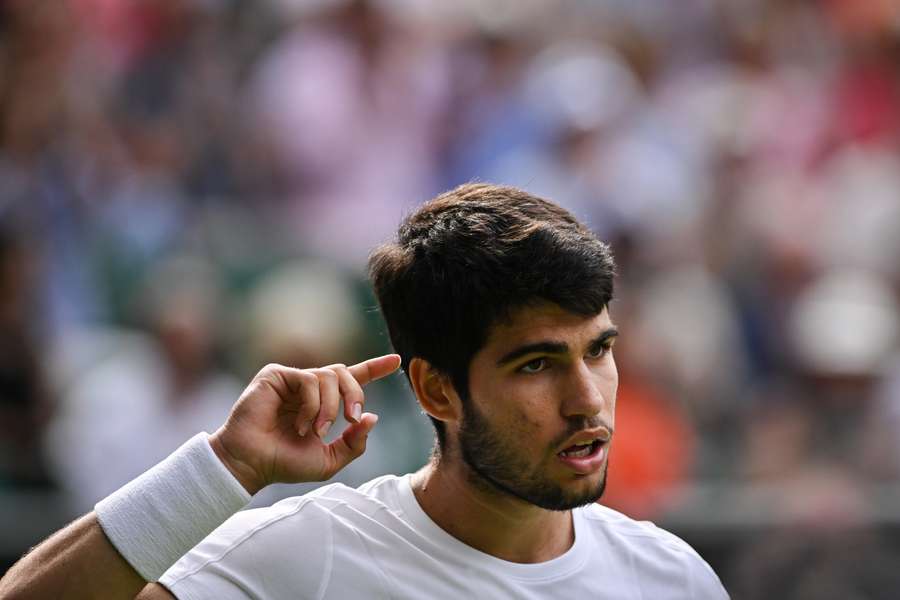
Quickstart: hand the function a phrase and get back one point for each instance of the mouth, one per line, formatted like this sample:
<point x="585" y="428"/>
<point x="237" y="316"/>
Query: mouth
<point x="584" y="457"/>
<point x="582" y="450"/>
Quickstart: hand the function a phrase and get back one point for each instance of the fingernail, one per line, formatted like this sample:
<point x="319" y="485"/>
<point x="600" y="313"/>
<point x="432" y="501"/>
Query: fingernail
<point x="356" y="411"/>
<point x="303" y="429"/>
<point x="323" y="428"/>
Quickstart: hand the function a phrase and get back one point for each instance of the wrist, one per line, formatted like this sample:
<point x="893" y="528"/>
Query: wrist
<point x="243" y="472"/>
<point x="158" y="517"/>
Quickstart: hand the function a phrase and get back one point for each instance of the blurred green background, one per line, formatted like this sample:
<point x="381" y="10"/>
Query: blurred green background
<point x="189" y="189"/>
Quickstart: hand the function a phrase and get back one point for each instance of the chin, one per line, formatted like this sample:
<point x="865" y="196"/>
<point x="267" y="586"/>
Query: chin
<point x="591" y="490"/>
<point x="586" y="493"/>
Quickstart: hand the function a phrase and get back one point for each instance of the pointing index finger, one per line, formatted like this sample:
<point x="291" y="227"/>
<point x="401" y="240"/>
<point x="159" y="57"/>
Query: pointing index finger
<point x="375" y="368"/>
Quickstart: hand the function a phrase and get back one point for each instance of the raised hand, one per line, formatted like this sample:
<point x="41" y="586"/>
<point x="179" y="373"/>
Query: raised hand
<point x="276" y="431"/>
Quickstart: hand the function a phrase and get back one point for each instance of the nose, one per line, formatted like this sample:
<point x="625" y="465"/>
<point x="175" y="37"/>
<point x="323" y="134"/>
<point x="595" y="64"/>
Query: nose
<point x="590" y="392"/>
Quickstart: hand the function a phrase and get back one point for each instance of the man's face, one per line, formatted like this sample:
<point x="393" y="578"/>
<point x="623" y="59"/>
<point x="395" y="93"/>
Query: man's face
<point x="540" y="414"/>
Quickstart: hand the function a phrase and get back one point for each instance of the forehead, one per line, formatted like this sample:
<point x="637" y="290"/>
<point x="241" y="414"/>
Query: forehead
<point x="545" y="322"/>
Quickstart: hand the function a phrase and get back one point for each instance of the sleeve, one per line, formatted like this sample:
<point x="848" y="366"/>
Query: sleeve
<point x="284" y="551"/>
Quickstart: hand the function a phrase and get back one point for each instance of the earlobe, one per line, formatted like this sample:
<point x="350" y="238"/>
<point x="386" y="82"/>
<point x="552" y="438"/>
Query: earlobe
<point x="433" y="390"/>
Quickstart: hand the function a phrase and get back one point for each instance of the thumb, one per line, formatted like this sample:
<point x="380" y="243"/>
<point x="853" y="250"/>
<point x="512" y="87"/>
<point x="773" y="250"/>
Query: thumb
<point x="352" y="442"/>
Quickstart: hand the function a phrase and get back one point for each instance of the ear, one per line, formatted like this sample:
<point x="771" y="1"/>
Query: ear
<point x="434" y="391"/>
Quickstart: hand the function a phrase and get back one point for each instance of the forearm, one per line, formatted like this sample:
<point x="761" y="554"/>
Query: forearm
<point x="134" y="534"/>
<point x="76" y="562"/>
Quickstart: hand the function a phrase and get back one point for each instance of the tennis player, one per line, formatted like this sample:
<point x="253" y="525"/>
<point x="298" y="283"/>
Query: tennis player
<point x="497" y="304"/>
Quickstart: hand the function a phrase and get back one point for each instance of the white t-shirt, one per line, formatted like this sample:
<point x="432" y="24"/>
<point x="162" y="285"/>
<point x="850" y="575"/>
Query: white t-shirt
<point x="339" y="543"/>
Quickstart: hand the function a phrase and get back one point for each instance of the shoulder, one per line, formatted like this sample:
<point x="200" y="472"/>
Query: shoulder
<point x="314" y="512"/>
<point x="651" y="550"/>
<point x="639" y="533"/>
<point x="252" y="542"/>
<point x="292" y="541"/>
<point x="345" y="504"/>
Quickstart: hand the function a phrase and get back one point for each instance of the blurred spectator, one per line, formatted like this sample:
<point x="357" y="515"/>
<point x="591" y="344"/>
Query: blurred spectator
<point x="131" y="397"/>
<point x="303" y="314"/>
<point x="349" y="102"/>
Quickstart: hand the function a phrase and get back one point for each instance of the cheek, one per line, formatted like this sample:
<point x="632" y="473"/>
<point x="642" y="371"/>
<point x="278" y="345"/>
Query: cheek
<point x="520" y="409"/>
<point x="528" y="422"/>
<point x="537" y="411"/>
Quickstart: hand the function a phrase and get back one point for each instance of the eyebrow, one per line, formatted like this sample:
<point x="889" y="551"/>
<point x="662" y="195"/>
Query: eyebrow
<point x="550" y="347"/>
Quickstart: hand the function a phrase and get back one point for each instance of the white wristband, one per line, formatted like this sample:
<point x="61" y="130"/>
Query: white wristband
<point x="156" y="518"/>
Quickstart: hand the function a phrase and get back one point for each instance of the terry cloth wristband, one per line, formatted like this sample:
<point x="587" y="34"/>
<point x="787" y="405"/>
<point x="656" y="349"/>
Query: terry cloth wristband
<point x="156" y="518"/>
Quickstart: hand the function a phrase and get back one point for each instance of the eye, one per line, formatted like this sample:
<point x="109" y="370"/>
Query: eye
<point x="600" y="350"/>
<point x="535" y="366"/>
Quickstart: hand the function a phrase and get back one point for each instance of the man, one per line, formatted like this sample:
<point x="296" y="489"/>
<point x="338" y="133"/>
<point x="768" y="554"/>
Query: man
<point x="498" y="304"/>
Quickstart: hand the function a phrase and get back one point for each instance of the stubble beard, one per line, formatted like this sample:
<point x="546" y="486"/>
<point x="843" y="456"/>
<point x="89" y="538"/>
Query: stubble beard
<point x="495" y="463"/>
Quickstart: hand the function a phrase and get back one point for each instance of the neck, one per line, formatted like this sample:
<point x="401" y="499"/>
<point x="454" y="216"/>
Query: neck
<point x="487" y="519"/>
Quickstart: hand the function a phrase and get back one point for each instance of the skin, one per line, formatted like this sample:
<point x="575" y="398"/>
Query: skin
<point x="526" y="410"/>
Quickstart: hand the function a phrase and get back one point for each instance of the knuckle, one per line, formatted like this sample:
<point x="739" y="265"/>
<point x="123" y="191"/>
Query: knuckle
<point x="307" y="378"/>
<point x="327" y="374"/>
<point x="257" y="386"/>
<point x="270" y="368"/>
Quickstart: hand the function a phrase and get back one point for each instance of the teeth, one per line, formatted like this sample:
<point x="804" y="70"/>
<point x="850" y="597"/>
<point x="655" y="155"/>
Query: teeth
<point x="582" y="451"/>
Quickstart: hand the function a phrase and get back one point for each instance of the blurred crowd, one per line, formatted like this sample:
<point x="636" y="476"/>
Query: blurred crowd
<point x="189" y="189"/>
